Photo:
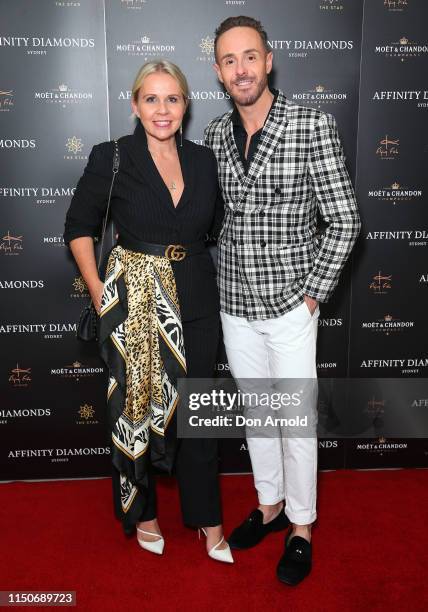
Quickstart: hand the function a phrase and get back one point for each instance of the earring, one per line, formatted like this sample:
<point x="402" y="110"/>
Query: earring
<point x="181" y="135"/>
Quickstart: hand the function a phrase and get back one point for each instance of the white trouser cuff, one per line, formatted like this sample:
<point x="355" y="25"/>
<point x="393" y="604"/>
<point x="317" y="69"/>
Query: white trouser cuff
<point x="301" y="518"/>
<point x="269" y="501"/>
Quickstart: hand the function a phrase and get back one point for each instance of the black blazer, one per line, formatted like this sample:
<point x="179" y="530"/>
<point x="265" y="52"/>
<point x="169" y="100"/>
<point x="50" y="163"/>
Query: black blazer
<point x="142" y="208"/>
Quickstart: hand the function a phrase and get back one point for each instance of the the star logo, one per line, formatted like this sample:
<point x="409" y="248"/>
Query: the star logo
<point x="86" y="411"/>
<point x="74" y="145"/>
<point x="207" y="45"/>
<point x="79" y="284"/>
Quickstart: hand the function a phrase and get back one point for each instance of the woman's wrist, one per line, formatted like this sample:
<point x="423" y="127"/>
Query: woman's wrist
<point x="93" y="284"/>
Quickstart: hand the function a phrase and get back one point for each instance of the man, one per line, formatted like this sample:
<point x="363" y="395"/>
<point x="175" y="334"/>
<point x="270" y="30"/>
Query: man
<point x="279" y="163"/>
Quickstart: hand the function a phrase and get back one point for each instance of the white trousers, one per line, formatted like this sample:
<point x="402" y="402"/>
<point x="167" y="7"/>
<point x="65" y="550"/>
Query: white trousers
<point x="284" y="468"/>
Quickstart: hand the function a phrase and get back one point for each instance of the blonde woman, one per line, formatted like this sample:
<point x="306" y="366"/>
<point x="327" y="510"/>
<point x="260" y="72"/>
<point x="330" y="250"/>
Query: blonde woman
<point x="158" y="303"/>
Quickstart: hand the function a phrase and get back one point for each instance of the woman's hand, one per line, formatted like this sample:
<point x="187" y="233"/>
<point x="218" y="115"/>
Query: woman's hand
<point x="96" y="294"/>
<point x="83" y="252"/>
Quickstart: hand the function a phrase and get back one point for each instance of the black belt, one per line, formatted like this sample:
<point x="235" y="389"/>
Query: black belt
<point x="174" y="252"/>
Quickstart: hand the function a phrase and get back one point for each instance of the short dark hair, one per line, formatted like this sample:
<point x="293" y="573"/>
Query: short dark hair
<point x="241" y="22"/>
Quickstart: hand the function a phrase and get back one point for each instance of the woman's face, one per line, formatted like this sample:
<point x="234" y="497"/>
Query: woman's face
<point x="160" y="105"/>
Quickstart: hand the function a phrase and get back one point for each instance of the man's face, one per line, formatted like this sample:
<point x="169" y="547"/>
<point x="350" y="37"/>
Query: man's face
<point x="243" y="64"/>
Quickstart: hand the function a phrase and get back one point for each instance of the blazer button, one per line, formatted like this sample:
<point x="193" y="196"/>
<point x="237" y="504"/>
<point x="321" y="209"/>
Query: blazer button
<point x="277" y="190"/>
<point x="239" y="213"/>
<point x="263" y="243"/>
<point x="262" y="213"/>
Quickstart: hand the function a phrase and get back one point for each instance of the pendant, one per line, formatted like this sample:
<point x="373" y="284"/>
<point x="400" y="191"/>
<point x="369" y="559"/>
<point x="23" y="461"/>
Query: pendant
<point x="173" y="186"/>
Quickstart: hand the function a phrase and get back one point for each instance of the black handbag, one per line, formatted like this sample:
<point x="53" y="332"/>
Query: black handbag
<point x="87" y="327"/>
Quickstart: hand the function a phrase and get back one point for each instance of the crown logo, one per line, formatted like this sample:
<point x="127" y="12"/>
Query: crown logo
<point x="381" y="440"/>
<point x="319" y="88"/>
<point x="145" y="39"/>
<point x="77" y="364"/>
<point x="395" y="185"/>
<point x="404" y="40"/>
<point x="63" y="87"/>
<point x="387" y="317"/>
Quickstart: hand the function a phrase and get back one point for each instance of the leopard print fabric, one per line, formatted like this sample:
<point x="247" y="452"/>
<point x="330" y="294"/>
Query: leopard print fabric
<point x="141" y="340"/>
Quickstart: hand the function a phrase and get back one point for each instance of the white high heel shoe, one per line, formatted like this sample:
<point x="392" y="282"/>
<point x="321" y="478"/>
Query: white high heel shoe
<point x="154" y="546"/>
<point x="222" y="554"/>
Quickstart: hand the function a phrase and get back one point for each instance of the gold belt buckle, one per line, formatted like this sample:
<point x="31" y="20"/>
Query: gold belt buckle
<point x="176" y="252"/>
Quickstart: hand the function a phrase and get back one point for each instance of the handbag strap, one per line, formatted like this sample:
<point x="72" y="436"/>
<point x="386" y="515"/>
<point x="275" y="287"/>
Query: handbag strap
<point x="115" y="169"/>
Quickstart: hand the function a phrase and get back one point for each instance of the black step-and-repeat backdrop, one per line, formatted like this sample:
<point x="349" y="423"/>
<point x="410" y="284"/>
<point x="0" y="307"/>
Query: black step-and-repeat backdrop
<point x="66" y="74"/>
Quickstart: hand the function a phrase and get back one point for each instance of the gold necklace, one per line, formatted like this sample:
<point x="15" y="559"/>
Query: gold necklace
<point x="173" y="185"/>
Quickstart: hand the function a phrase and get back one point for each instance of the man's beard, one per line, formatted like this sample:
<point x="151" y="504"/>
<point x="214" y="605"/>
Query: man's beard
<point x="250" y="99"/>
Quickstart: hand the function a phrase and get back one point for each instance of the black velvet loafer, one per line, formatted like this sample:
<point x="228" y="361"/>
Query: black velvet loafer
<point x="252" y="531"/>
<point x="296" y="562"/>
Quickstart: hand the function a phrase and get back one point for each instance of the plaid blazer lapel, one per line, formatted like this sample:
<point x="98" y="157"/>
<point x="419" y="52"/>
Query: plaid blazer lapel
<point x="232" y="152"/>
<point x="273" y="133"/>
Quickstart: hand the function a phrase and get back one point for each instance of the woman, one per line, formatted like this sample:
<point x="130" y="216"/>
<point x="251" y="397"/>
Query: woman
<point x="158" y="306"/>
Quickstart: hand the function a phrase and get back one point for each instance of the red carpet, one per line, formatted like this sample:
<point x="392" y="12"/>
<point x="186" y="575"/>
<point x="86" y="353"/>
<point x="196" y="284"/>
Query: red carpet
<point x="370" y="548"/>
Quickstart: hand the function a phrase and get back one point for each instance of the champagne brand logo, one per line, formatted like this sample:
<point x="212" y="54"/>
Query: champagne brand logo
<point x="133" y="4"/>
<point x="381" y="446"/>
<point x="145" y="47"/>
<point x="320" y="96"/>
<point x="76" y="371"/>
<point x="388" y="325"/>
<point x="395" y="6"/>
<point x="396" y="193"/>
<point x="63" y="96"/>
<point x="403" y="49"/>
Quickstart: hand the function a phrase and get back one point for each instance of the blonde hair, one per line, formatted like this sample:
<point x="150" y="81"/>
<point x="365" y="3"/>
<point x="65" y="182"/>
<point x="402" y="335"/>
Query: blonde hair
<point x="165" y="66"/>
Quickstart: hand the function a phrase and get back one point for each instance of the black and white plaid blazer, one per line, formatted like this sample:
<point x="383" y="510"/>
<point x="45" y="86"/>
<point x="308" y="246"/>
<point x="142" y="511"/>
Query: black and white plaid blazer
<point x="269" y="253"/>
